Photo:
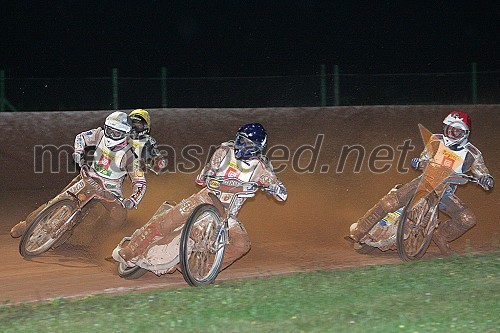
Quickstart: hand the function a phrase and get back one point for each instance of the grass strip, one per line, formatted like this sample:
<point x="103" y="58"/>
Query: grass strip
<point x="456" y="294"/>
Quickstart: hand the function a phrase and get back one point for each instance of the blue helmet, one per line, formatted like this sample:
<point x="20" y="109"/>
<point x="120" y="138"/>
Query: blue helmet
<point x="251" y="139"/>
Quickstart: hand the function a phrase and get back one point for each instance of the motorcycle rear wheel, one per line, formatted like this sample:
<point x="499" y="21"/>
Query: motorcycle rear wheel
<point x="38" y="238"/>
<point x="202" y="246"/>
<point x="416" y="226"/>
<point x="130" y="273"/>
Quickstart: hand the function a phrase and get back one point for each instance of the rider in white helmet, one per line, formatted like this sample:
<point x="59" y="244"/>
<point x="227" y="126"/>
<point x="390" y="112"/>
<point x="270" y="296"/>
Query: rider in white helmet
<point x="144" y="144"/>
<point x="453" y="150"/>
<point x="114" y="159"/>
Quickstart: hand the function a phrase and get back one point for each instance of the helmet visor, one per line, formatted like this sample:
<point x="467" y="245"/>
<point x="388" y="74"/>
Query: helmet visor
<point x="245" y="147"/>
<point x="138" y="125"/>
<point x="114" y="133"/>
<point x="454" y="133"/>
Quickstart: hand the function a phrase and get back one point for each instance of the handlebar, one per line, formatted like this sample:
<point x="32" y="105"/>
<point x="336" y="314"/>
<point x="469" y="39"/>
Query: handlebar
<point x="453" y="177"/>
<point x="228" y="184"/>
<point x="462" y="178"/>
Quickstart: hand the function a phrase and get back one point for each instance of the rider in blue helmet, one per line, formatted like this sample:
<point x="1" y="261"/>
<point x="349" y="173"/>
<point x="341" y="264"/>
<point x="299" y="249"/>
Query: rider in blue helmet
<point x="243" y="160"/>
<point x="251" y="139"/>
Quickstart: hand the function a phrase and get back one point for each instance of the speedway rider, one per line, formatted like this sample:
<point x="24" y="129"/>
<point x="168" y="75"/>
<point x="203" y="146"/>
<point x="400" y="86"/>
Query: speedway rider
<point x="157" y="243"/>
<point x="144" y="144"/>
<point x="452" y="149"/>
<point x="114" y="159"/>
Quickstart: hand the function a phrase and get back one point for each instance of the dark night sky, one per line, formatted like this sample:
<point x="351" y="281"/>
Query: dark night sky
<point x="76" y="38"/>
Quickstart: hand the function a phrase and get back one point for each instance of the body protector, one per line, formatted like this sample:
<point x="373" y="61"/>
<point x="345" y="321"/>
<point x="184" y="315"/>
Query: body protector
<point x="259" y="169"/>
<point x="461" y="159"/>
<point x="113" y="165"/>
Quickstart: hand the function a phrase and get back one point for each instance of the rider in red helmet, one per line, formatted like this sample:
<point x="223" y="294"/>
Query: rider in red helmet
<point x="451" y="149"/>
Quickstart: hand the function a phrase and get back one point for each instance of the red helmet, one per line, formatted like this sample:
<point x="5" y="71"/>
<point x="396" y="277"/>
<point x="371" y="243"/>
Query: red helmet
<point x="456" y="130"/>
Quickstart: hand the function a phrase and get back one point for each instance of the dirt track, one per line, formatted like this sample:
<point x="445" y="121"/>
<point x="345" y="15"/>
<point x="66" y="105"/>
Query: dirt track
<point x="304" y="233"/>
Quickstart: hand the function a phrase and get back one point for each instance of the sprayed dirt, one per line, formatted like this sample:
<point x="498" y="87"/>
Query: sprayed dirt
<point x="305" y="233"/>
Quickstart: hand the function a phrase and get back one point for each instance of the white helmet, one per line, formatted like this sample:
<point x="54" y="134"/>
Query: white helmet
<point x="116" y="129"/>
<point x="456" y="128"/>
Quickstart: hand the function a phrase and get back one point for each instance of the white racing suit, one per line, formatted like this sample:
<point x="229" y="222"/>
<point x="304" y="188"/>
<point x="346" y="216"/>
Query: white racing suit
<point x="113" y="165"/>
<point x="110" y="165"/>
<point x="156" y="245"/>
<point x="463" y="160"/>
<point x="151" y="158"/>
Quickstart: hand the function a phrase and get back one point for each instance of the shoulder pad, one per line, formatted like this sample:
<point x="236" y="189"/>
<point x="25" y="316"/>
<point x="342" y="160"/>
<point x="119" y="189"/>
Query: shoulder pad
<point x="473" y="150"/>
<point x="266" y="162"/>
<point x="227" y="144"/>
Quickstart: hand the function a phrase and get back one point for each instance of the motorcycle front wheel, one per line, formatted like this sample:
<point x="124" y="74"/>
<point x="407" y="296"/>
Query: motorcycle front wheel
<point x="416" y="226"/>
<point x="202" y="246"/>
<point x="40" y="235"/>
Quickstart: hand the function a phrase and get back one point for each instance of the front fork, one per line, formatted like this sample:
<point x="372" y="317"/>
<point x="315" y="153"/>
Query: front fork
<point x="221" y="232"/>
<point x="69" y="223"/>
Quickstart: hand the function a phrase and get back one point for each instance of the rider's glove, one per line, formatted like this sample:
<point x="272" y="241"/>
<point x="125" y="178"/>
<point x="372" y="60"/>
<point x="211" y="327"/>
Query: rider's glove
<point x="128" y="203"/>
<point x="279" y="191"/>
<point x="78" y="158"/>
<point x="159" y="165"/>
<point x="415" y="163"/>
<point x="486" y="182"/>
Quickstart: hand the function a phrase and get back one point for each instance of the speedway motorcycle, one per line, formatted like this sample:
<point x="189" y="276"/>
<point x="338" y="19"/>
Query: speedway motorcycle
<point x="54" y="225"/>
<point x="205" y="233"/>
<point x="409" y="229"/>
<point x="420" y="218"/>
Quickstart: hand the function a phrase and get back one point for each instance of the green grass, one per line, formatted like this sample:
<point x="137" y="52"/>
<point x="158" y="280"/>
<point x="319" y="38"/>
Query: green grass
<point x="457" y="294"/>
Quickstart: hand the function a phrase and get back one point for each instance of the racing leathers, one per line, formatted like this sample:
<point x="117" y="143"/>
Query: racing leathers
<point x="458" y="159"/>
<point x="112" y="165"/>
<point x="151" y="158"/>
<point x="156" y="245"/>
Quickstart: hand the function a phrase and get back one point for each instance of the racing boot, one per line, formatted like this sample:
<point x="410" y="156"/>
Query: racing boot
<point x="19" y="229"/>
<point x="440" y="240"/>
<point x="139" y="243"/>
<point x="447" y="232"/>
<point x="359" y="229"/>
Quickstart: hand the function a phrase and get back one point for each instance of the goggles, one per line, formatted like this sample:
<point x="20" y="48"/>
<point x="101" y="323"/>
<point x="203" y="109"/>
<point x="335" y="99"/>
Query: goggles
<point x="454" y="133"/>
<point x="245" y="147"/>
<point x="139" y="125"/>
<point x="114" y="133"/>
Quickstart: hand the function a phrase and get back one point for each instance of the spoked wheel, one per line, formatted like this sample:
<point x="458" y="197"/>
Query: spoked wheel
<point x="41" y="233"/>
<point x="202" y="246"/>
<point x="416" y="227"/>
<point x="130" y="273"/>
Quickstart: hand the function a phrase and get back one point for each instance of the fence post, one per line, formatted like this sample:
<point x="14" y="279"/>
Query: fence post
<point x="336" y="96"/>
<point x="323" y="85"/>
<point x="115" y="88"/>
<point x="3" y="100"/>
<point x="474" y="83"/>
<point x="163" y="87"/>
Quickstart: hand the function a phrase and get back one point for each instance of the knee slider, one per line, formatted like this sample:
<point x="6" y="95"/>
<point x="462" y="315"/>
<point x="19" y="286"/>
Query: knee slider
<point x="467" y="218"/>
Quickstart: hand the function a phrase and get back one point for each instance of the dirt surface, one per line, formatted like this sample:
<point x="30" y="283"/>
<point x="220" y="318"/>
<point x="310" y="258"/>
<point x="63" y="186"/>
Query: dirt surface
<point x="305" y="233"/>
